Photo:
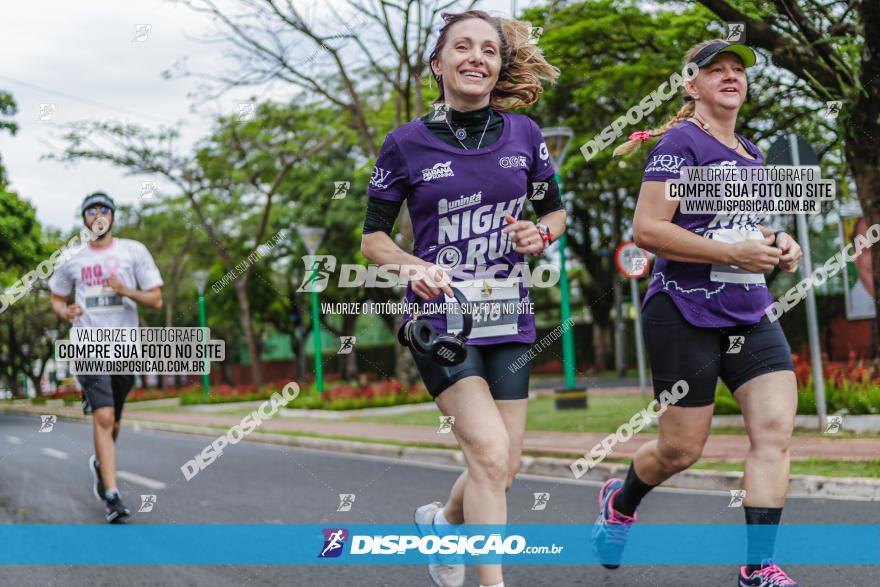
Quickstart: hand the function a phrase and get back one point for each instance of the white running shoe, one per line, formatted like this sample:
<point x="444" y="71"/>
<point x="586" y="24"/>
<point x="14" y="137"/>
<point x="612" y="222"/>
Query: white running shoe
<point x="443" y="575"/>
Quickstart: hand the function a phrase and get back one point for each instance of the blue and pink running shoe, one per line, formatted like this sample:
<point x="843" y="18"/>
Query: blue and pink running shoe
<point x="611" y="528"/>
<point x="769" y="575"/>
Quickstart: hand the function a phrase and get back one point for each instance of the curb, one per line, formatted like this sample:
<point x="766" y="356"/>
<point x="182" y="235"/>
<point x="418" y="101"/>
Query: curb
<point x="799" y="485"/>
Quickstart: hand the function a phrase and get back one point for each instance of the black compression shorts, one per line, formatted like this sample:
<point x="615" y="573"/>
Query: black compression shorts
<point x="105" y="391"/>
<point x="495" y="363"/>
<point x="679" y="350"/>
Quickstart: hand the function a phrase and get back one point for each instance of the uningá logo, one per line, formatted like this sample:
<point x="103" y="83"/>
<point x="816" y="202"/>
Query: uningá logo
<point x="334" y="542"/>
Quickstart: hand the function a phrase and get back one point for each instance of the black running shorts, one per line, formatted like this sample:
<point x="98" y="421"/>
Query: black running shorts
<point x="105" y="391"/>
<point x="495" y="363"/>
<point x="679" y="350"/>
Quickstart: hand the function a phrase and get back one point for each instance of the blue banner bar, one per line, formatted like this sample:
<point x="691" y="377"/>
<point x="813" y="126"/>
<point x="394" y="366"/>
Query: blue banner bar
<point x="275" y="544"/>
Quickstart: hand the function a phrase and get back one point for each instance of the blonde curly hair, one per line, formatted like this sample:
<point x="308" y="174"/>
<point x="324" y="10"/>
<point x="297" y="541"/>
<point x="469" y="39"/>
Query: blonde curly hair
<point x="523" y="66"/>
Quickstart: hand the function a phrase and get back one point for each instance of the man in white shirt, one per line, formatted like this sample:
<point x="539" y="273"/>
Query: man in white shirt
<point x="110" y="278"/>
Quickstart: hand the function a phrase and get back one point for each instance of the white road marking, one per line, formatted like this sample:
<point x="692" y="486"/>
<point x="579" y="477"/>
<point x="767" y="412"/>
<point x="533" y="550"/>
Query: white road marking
<point x="140" y="480"/>
<point x="54" y="453"/>
<point x="13" y="439"/>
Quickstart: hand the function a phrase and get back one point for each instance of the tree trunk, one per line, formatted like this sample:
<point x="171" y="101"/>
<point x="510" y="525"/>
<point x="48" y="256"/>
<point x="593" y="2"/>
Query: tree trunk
<point x="864" y="160"/>
<point x="601" y="345"/>
<point x="244" y="305"/>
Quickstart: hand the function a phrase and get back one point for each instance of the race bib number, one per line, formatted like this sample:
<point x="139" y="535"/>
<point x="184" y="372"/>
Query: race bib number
<point x="101" y="299"/>
<point x="732" y="273"/>
<point x="494" y="309"/>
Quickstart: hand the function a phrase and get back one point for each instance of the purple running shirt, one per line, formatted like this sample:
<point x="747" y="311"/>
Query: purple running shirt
<point x="457" y="202"/>
<point x="707" y="295"/>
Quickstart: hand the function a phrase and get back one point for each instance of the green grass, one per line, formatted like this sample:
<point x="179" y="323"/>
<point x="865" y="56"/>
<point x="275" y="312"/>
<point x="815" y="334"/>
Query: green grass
<point x="821" y="467"/>
<point x="605" y="414"/>
<point x="610" y="374"/>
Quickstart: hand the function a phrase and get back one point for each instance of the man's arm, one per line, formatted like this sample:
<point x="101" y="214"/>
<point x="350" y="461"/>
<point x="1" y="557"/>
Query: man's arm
<point x="60" y="307"/>
<point x="150" y="298"/>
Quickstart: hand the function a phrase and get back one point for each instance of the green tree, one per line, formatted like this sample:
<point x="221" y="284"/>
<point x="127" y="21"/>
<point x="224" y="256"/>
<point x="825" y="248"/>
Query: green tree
<point x="612" y="53"/>
<point x="834" y="49"/>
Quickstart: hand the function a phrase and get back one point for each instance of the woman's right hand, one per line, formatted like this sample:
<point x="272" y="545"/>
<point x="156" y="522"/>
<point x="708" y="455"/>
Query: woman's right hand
<point x="756" y="256"/>
<point x="429" y="281"/>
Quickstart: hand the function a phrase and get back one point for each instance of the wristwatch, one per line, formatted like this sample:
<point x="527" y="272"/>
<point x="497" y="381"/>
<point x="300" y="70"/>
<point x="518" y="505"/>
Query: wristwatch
<point x="545" y="233"/>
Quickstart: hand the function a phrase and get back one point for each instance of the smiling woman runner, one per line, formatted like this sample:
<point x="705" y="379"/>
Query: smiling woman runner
<point x="465" y="171"/>
<point x="708" y="295"/>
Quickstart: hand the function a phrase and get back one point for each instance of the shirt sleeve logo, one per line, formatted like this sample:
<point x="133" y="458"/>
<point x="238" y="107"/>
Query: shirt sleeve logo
<point x="379" y="177"/>
<point x="664" y="164"/>
<point x="543" y="153"/>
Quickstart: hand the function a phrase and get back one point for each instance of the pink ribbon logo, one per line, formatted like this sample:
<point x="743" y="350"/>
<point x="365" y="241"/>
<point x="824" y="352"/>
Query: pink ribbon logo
<point x="112" y="264"/>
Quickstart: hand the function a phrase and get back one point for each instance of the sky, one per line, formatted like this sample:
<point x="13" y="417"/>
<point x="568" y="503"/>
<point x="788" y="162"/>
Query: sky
<point x="102" y="60"/>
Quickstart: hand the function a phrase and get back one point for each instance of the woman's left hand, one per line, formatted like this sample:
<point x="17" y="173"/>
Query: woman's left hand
<point x="791" y="252"/>
<point x="525" y="235"/>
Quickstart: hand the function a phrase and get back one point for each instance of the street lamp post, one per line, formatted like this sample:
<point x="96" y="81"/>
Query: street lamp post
<point x="558" y="141"/>
<point x="311" y="237"/>
<point x="200" y="278"/>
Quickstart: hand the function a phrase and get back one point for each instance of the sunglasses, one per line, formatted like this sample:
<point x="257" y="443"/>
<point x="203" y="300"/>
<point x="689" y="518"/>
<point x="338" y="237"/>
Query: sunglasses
<point x="94" y="211"/>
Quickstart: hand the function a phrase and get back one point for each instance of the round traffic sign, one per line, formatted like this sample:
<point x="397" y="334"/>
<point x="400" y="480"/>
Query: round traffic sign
<point x="631" y="261"/>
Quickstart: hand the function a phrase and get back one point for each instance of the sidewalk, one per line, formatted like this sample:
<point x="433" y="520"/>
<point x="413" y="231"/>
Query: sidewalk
<point x="718" y="448"/>
<point x="548" y="454"/>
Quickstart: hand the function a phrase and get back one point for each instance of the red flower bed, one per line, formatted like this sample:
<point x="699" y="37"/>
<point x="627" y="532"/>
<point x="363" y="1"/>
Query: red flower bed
<point x="854" y="370"/>
<point x="387" y="387"/>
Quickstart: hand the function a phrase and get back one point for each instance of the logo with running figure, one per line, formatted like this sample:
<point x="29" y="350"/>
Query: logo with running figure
<point x="47" y="423"/>
<point x="446" y="424"/>
<point x="735" y="344"/>
<point x="736" y="32"/>
<point x="340" y="189"/>
<point x="147" y="503"/>
<point x="346" y="501"/>
<point x="334" y="542"/>
<point x="541" y="501"/>
<point x="737" y="496"/>
<point x="535" y="33"/>
<point x="441" y="111"/>
<point x="539" y="189"/>
<point x="833" y="424"/>
<point x="346" y="345"/>
<point x="438" y="170"/>
<point x="318" y="271"/>
<point x="832" y="109"/>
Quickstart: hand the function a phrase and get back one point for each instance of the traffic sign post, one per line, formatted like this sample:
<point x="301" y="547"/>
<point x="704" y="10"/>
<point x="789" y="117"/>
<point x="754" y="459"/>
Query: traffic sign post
<point x="795" y="150"/>
<point x="634" y="263"/>
<point x="558" y="140"/>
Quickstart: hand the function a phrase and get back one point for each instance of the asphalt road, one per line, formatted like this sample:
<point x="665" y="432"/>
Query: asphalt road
<point x="44" y="479"/>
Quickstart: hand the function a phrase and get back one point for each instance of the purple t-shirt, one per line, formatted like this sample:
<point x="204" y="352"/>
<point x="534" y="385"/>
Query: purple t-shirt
<point x="707" y="295"/>
<point x="457" y="202"/>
